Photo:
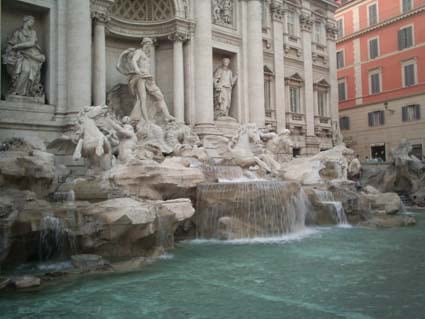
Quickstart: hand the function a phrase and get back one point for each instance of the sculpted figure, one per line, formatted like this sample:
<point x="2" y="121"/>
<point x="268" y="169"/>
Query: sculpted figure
<point x="135" y="63"/>
<point x="223" y="85"/>
<point x="23" y="59"/>
<point x="127" y="139"/>
<point x="227" y="11"/>
<point x="87" y="140"/>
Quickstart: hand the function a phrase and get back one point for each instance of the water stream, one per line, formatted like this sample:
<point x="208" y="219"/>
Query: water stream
<point x="327" y="197"/>
<point x="328" y="273"/>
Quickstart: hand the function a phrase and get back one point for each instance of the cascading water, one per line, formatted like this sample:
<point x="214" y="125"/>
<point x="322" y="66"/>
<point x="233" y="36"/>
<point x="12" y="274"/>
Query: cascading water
<point x="54" y="238"/>
<point x="229" y="174"/>
<point x="250" y="209"/>
<point x="327" y="197"/>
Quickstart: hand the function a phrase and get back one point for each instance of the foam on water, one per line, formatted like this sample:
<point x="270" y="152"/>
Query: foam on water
<point x="296" y="236"/>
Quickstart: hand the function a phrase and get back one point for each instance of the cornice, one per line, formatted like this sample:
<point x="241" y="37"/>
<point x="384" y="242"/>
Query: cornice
<point x="381" y="24"/>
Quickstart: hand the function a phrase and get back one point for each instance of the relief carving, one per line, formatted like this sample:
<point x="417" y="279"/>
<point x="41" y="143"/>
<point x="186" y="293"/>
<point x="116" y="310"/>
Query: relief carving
<point x="222" y="12"/>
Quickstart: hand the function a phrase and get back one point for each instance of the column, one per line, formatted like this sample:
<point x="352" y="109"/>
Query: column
<point x="100" y="13"/>
<point x="255" y="63"/>
<point x="333" y="81"/>
<point x="178" y="77"/>
<point x="78" y="55"/>
<point x="306" y="23"/>
<point x="279" y="65"/>
<point x="99" y="62"/>
<point x="203" y="68"/>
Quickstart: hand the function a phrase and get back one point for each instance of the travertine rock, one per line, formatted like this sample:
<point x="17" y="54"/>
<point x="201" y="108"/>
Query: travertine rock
<point x="324" y="166"/>
<point x="26" y="282"/>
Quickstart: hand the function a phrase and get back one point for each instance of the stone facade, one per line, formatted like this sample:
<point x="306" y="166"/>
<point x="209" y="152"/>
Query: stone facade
<point x="282" y="52"/>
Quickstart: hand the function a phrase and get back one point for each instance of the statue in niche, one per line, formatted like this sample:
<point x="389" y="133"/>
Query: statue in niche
<point x="223" y="86"/>
<point x="23" y="59"/>
<point x="135" y="63"/>
<point x="222" y="12"/>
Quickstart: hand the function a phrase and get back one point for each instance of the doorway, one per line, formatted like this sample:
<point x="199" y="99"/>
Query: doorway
<point x="378" y="152"/>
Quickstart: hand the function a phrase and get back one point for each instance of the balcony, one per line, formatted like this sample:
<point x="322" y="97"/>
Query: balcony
<point x="323" y="126"/>
<point x="296" y="123"/>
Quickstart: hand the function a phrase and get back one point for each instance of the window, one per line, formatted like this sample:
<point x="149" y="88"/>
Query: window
<point x="373" y="14"/>
<point x="340" y="63"/>
<point x="340" y="28"/>
<point x="376" y="118"/>
<point x="411" y="113"/>
<point x="405" y="38"/>
<point x="268" y="94"/>
<point x="406" y="5"/>
<point x="409" y="73"/>
<point x="290" y="23"/>
<point x="375" y="82"/>
<point x="322" y="98"/>
<point x="294" y="95"/>
<point x="417" y="151"/>
<point x="373" y="48"/>
<point x="342" y="90"/>
<point x="344" y="123"/>
<point x="318" y="38"/>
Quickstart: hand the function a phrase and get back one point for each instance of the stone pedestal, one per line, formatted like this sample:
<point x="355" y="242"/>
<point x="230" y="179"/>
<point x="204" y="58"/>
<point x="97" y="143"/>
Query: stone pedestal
<point x="18" y="99"/>
<point x="227" y="126"/>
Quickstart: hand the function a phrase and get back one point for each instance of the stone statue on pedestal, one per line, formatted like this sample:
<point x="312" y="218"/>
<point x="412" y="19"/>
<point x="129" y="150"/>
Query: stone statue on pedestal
<point x="135" y="63"/>
<point x="23" y="59"/>
<point x="223" y="86"/>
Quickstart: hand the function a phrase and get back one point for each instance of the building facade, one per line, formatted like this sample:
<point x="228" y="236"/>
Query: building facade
<point x="282" y="51"/>
<point x="381" y="75"/>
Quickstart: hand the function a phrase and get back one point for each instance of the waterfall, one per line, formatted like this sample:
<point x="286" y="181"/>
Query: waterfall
<point x="326" y="197"/>
<point x="54" y="238"/>
<point x="228" y="174"/>
<point x="249" y="209"/>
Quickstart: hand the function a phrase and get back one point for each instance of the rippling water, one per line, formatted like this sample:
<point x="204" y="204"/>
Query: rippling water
<point x="321" y="273"/>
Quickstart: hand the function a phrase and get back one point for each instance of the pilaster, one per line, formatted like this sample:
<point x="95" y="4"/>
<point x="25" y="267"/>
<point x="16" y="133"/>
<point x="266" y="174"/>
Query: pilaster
<point x="279" y="64"/>
<point x="306" y="24"/>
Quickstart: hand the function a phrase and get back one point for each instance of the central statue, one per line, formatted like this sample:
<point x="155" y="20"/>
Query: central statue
<point x="136" y="65"/>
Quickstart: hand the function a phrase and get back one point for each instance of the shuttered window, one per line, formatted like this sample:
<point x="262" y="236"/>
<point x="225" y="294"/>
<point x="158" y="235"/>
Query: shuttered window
<point x="405" y="38"/>
<point x="411" y="113"/>
<point x="375" y="83"/>
<point x="344" y="123"/>
<point x="340" y="59"/>
<point x="340" y="28"/>
<point x="409" y="75"/>
<point x="376" y="118"/>
<point x="407" y="5"/>
<point x="373" y="48"/>
<point x="373" y="14"/>
<point x="342" y="91"/>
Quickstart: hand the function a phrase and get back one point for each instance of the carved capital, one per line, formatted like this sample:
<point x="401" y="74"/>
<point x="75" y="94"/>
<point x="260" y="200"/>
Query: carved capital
<point x="179" y="36"/>
<point x="277" y="11"/>
<point x="306" y="22"/>
<point x="100" y="10"/>
<point x="331" y="31"/>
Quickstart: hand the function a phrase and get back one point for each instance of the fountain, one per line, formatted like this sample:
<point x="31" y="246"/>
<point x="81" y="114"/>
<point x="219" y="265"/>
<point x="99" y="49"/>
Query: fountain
<point x="54" y="239"/>
<point x="249" y="209"/>
<point x="327" y="198"/>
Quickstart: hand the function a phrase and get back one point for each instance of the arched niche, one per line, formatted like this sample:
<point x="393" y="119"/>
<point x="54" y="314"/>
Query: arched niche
<point x="152" y="18"/>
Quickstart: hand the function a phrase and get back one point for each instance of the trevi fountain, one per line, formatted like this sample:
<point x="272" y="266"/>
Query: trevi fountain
<point x="131" y="208"/>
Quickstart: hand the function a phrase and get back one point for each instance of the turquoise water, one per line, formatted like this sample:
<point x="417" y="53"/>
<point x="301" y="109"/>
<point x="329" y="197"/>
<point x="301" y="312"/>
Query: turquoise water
<point x="324" y="273"/>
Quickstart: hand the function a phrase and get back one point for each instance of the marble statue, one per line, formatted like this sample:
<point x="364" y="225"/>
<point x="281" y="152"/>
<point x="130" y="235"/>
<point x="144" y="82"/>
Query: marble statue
<point x="135" y="64"/>
<point x="23" y="59"/>
<point x="224" y="80"/>
<point x="222" y="12"/>
<point x="127" y="139"/>
<point x="90" y="139"/>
